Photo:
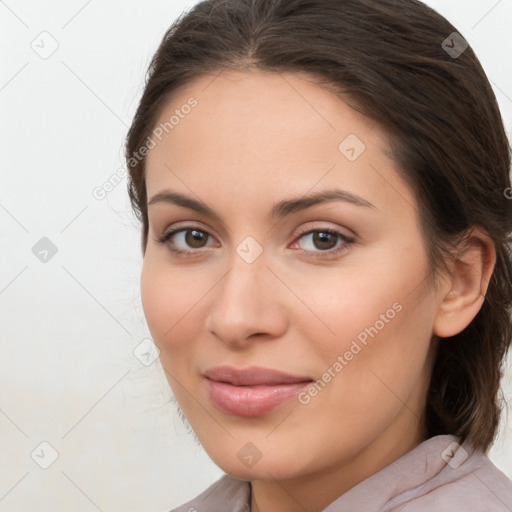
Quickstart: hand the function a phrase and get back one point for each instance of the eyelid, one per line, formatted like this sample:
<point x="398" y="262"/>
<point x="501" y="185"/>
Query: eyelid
<point x="322" y="225"/>
<point x="188" y="225"/>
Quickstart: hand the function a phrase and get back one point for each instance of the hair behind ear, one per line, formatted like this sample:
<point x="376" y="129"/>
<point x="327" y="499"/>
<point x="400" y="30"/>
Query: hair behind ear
<point x="463" y="395"/>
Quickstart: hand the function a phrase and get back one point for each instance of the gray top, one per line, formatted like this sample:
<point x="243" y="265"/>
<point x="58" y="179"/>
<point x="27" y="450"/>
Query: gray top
<point x="437" y="475"/>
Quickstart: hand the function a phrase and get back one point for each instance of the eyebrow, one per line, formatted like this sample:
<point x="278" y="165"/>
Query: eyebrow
<point x="279" y="210"/>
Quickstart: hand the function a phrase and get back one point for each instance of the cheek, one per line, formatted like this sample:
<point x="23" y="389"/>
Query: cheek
<point x="168" y="301"/>
<point x="155" y="296"/>
<point x="380" y="326"/>
<point x="379" y="360"/>
<point x="352" y="304"/>
<point x="171" y="307"/>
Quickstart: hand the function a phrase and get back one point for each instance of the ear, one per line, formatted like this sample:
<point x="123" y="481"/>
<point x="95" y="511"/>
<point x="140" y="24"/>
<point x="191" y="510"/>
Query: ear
<point x="470" y="273"/>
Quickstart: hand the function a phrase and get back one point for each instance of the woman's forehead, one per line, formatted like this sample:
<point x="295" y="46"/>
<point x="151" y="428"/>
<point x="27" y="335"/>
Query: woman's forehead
<point x="286" y="136"/>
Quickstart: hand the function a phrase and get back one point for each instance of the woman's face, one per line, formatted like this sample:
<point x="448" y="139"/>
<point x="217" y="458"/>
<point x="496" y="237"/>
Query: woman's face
<point x="295" y="327"/>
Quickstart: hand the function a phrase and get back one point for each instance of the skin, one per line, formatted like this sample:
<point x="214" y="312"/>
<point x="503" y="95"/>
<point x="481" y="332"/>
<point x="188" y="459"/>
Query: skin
<point x="254" y="139"/>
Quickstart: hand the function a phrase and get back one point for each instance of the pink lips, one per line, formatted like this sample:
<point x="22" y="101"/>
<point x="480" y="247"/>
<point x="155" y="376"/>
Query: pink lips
<point x="253" y="391"/>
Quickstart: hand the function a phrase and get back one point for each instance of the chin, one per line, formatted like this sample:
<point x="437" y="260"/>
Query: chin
<point x="260" y="471"/>
<point x="268" y="464"/>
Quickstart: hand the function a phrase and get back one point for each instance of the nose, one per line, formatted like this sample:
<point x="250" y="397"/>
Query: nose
<point x="246" y="305"/>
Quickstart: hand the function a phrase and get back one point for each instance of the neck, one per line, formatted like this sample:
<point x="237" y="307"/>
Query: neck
<point x="314" y="492"/>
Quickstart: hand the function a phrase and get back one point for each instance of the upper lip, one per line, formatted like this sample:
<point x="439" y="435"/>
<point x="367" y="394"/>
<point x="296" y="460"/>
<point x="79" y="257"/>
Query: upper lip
<point x="252" y="376"/>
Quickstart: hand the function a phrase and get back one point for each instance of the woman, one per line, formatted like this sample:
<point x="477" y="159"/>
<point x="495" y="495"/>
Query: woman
<point x="327" y="270"/>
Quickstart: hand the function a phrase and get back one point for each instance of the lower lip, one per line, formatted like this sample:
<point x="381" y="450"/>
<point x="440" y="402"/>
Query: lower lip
<point x="252" y="401"/>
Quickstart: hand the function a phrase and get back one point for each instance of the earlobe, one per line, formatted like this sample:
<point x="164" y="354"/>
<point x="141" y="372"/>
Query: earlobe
<point x="471" y="271"/>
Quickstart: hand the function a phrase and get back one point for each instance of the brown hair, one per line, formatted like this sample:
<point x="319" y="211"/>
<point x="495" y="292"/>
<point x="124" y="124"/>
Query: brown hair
<point x="392" y="59"/>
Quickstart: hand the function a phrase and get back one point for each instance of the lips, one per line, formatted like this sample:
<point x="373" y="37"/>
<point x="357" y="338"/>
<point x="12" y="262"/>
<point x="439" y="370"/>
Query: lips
<point x="253" y="391"/>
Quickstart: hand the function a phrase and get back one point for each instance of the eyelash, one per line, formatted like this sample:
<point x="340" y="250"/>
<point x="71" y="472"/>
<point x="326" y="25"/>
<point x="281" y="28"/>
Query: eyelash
<point x="346" y="242"/>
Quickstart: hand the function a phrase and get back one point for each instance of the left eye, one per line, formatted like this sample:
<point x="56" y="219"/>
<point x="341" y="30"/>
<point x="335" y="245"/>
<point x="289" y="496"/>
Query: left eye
<point x="323" y="240"/>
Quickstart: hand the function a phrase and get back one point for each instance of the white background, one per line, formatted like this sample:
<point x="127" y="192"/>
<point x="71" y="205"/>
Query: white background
<point x="68" y="327"/>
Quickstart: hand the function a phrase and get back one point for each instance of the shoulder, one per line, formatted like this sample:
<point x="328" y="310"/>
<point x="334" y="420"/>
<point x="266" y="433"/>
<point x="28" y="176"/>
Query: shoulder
<point x="227" y="494"/>
<point x="472" y="483"/>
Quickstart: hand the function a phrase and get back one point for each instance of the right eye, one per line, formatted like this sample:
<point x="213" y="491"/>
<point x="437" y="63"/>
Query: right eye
<point x="185" y="240"/>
